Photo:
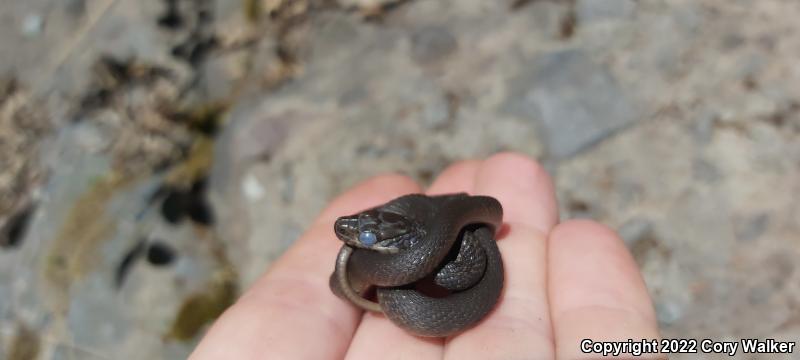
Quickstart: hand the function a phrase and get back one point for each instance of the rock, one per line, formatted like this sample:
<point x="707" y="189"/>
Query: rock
<point x="589" y="11"/>
<point x="252" y="188"/>
<point x="634" y="230"/>
<point x="64" y="351"/>
<point x="32" y="25"/>
<point x="94" y="318"/>
<point x="364" y="4"/>
<point x="261" y="136"/>
<point x="705" y="171"/>
<point x="703" y="128"/>
<point x="760" y="294"/>
<point x="91" y="137"/>
<point x="575" y="101"/>
<point x="84" y="225"/>
<point x="668" y="312"/>
<point x="75" y="7"/>
<point x="25" y="127"/>
<point x="752" y="227"/>
<point x="432" y="43"/>
<point x="330" y="98"/>
<point x="438" y="113"/>
<point x="220" y="75"/>
<point x="25" y="344"/>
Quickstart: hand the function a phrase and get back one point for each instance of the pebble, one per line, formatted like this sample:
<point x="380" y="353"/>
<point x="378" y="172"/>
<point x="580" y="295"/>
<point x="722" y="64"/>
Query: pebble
<point x="252" y="188"/>
<point x="32" y="25"/>
<point x="668" y="312"/>
<point x="634" y="230"/>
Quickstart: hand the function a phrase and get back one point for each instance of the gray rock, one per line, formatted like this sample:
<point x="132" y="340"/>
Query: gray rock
<point x="64" y="351"/>
<point x="5" y="292"/>
<point x="696" y="189"/>
<point x="32" y="25"/>
<point x="760" y="294"/>
<point x="77" y="300"/>
<point x="780" y="268"/>
<point x="703" y="128"/>
<point x="96" y="320"/>
<point x="705" y="171"/>
<point x="255" y="131"/>
<point x="601" y="10"/>
<point x="576" y="101"/>
<point x="634" y="230"/>
<point x="91" y="137"/>
<point x="220" y="74"/>
<point x="751" y="228"/>
<point x="75" y="7"/>
<point x="287" y="183"/>
<point x="432" y="43"/>
<point x="668" y="312"/>
<point x="437" y="113"/>
<point x="732" y="41"/>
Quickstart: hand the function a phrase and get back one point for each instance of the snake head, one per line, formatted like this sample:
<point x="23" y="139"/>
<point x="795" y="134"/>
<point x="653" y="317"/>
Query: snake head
<point x="378" y="230"/>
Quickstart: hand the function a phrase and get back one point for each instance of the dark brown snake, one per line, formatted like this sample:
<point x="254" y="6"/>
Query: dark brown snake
<point x="432" y="259"/>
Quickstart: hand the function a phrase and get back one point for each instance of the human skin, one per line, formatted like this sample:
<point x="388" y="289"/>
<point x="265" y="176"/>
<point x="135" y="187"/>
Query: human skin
<point x="565" y="282"/>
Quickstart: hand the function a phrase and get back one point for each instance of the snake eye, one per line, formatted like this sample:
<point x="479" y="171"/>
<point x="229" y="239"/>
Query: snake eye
<point x="367" y="238"/>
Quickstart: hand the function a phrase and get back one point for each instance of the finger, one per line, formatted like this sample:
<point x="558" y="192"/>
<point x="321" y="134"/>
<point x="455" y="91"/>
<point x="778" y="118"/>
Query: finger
<point x="376" y="333"/>
<point x="276" y="316"/>
<point x="459" y="177"/>
<point x="378" y="338"/>
<point x="596" y="291"/>
<point x="519" y="327"/>
<point x="523" y="187"/>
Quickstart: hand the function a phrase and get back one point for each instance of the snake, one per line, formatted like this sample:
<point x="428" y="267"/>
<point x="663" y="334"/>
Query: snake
<point x="432" y="260"/>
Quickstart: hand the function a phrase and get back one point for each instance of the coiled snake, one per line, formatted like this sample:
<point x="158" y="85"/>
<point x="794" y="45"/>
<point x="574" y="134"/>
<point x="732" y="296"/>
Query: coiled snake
<point x="432" y="259"/>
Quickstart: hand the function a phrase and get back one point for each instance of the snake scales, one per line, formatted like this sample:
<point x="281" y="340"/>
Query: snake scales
<point x="432" y="259"/>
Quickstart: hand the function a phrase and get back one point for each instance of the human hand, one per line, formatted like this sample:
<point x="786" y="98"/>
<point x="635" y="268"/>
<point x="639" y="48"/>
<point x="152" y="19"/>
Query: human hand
<point x="564" y="283"/>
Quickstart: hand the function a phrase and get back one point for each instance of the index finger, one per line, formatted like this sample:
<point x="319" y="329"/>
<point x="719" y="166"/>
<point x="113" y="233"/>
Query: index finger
<point x="274" y="316"/>
<point x="519" y="327"/>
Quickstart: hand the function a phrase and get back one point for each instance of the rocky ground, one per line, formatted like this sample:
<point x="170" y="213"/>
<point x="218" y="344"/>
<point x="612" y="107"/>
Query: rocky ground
<point x="158" y="155"/>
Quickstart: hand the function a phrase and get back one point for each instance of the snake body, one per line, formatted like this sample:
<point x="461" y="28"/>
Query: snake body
<point x="416" y="243"/>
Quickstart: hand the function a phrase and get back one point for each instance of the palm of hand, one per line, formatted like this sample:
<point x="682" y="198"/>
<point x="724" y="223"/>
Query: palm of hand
<point x="564" y="283"/>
